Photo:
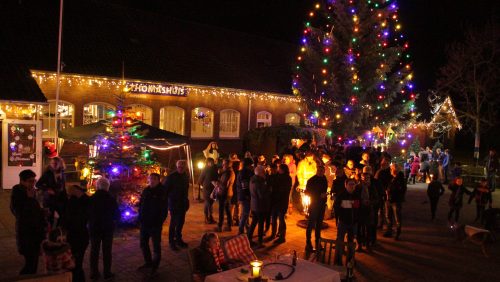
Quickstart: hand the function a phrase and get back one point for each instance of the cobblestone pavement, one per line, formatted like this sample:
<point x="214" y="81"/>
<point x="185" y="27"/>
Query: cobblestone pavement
<point x="427" y="250"/>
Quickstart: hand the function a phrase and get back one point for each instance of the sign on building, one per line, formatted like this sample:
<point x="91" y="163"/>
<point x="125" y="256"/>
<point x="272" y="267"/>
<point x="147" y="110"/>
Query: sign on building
<point x="156" y="89"/>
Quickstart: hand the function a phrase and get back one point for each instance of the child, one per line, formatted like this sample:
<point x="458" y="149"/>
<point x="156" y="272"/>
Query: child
<point x="415" y="167"/>
<point x="57" y="252"/>
<point x="482" y="195"/>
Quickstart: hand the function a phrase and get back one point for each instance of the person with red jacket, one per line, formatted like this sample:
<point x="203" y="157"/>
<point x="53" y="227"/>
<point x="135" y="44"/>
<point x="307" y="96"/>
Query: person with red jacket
<point x="415" y="167"/>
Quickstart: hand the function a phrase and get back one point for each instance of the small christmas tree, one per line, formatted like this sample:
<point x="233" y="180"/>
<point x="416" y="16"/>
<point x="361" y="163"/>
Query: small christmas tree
<point x="122" y="158"/>
<point x="415" y="146"/>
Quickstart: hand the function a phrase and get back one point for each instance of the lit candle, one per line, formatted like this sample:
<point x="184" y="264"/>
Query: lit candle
<point x="256" y="267"/>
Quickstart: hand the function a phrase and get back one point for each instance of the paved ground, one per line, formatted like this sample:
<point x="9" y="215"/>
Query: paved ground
<point x="427" y="251"/>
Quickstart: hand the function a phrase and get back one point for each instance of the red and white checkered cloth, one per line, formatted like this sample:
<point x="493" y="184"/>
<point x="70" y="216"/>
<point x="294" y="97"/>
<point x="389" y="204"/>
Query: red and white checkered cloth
<point x="238" y="248"/>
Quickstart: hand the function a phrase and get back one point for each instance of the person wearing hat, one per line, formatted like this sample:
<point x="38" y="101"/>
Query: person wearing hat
<point x="76" y="226"/>
<point x="367" y="212"/>
<point x="30" y="220"/>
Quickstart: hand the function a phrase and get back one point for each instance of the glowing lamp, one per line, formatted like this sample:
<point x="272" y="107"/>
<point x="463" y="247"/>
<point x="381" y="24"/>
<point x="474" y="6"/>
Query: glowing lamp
<point x="200" y="165"/>
<point x="115" y="170"/>
<point x="256" y="268"/>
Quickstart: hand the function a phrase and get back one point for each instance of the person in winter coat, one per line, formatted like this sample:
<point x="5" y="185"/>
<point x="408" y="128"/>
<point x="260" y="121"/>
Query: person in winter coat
<point x="316" y="189"/>
<point x="30" y="221"/>
<point x="279" y="198"/>
<point x="57" y="253"/>
<point x="491" y="166"/>
<point x="243" y="186"/>
<point x="456" y="198"/>
<point x="76" y="226"/>
<point x="177" y="186"/>
<point x="260" y="195"/>
<point x="347" y="207"/>
<point x="226" y="182"/>
<point x="395" y="194"/>
<point x="482" y="195"/>
<point x="208" y="175"/>
<point x="103" y="215"/>
<point x="368" y="193"/>
<point x="415" y="167"/>
<point x="434" y="191"/>
<point x="383" y="178"/>
<point x="52" y="183"/>
<point x="153" y="210"/>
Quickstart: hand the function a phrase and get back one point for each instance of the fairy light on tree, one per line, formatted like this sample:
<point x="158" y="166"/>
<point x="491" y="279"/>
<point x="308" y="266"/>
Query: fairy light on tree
<point x="354" y="67"/>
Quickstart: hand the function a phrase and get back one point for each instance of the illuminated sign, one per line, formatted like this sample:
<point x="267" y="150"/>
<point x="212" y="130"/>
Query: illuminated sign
<point x="156" y="89"/>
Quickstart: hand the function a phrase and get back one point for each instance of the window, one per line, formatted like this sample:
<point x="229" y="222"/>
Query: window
<point x="202" y="123"/>
<point x="142" y="113"/>
<point x="292" y="119"/>
<point x="264" y="119"/>
<point x="48" y="115"/>
<point x="172" y="119"/>
<point x="229" y="124"/>
<point x="95" y="112"/>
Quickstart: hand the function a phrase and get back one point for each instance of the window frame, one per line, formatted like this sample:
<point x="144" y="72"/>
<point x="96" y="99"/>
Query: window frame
<point x="238" y="123"/>
<point x="193" y="122"/>
<point x="162" y="119"/>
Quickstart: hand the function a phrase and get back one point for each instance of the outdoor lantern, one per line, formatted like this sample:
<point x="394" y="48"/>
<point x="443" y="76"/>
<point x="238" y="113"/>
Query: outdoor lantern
<point x="256" y="268"/>
<point x="200" y="165"/>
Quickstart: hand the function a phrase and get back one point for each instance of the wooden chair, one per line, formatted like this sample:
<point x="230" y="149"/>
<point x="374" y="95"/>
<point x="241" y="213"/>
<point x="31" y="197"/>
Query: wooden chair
<point x="478" y="236"/>
<point x="193" y="265"/>
<point x="326" y="252"/>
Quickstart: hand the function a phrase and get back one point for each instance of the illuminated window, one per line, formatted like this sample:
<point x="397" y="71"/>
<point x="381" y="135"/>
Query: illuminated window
<point x="292" y="119"/>
<point x="202" y="123"/>
<point x="264" y="119"/>
<point x="141" y="112"/>
<point x="229" y="124"/>
<point x="95" y="112"/>
<point x="48" y="117"/>
<point x="172" y="119"/>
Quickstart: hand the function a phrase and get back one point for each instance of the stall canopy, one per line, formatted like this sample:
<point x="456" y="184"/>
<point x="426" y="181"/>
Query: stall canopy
<point x="151" y="135"/>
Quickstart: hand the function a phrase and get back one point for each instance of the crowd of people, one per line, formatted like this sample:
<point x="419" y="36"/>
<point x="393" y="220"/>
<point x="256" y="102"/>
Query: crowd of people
<point x="362" y="190"/>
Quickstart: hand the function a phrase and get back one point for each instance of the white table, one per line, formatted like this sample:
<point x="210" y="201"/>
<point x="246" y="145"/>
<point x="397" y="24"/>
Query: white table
<point x="304" y="271"/>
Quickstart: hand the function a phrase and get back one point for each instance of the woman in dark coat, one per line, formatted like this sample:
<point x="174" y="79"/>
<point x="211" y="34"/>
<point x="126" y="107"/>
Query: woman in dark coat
<point x="76" y="226"/>
<point x="259" y="202"/>
<point x="279" y="197"/>
<point x="52" y="184"/>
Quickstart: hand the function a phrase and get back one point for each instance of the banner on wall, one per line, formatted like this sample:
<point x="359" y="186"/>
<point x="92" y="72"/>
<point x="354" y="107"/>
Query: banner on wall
<point x="156" y="89"/>
<point x="21" y="141"/>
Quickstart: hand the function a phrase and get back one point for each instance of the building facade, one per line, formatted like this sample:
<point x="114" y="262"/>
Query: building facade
<point x="203" y="113"/>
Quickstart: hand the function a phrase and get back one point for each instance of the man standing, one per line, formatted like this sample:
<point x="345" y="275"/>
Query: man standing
<point x="208" y="175"/>
<point x="177" y="186"/>
<point x="103" y="213"/>
<point x="434" y="191"/>
<point x="491" y="164"/>
<point x="347" y="209"/>
<point x="226" y="181"/>
<point x="395" y="197"/>
<point x="383" y="178"/>
<point x="153" y="209"/>
<point x="76" y="225"/>
<point x="260" y="196"/>
<point x="446" y="164"/>
<point x="243" y="186"/>
<point x="30" y="221"/>
<point x="316" y="189"/>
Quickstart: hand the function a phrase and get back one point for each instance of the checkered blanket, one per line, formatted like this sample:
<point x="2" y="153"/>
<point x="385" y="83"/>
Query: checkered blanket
<point x="238" y="248"/>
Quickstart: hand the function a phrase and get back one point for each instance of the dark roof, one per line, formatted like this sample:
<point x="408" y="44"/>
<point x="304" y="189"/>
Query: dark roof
<point x="98" y="37"/>
<point x="16" y="82"/>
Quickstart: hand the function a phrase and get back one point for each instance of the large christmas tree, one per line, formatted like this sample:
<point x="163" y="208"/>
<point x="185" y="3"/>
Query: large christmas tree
<point x="353" y="69"/>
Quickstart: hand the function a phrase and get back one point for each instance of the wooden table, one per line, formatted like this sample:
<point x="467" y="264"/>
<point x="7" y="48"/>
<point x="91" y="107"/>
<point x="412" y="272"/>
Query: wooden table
<point x="305" y="271"/>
